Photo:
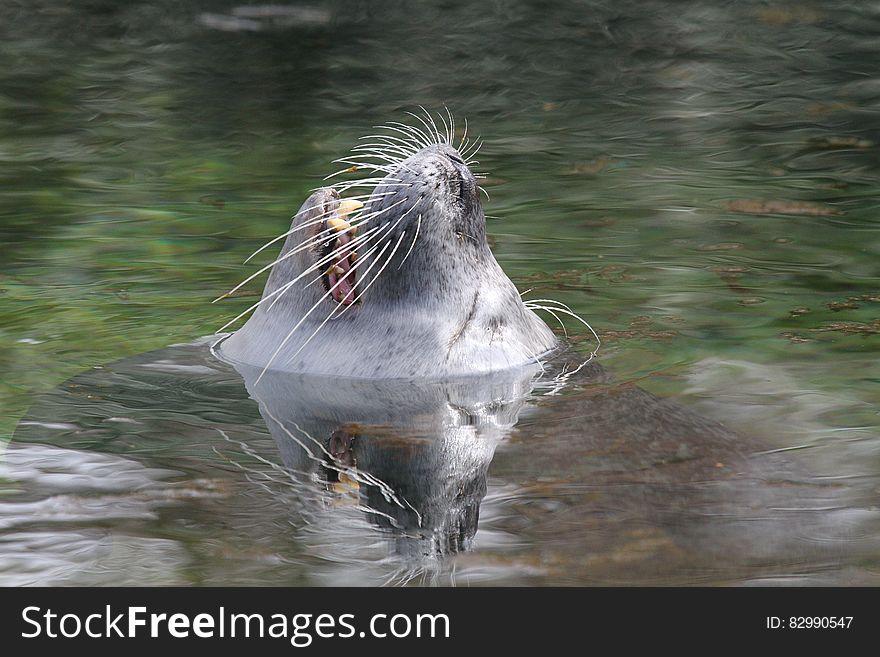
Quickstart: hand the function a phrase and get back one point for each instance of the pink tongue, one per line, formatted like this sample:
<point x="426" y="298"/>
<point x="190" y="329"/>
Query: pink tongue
<point x="342" y="293"/>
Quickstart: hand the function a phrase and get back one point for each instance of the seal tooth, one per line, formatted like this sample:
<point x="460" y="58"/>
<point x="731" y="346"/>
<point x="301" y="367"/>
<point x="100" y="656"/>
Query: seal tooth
<point x="338" y="224"/>
<point x="347" y="206"/>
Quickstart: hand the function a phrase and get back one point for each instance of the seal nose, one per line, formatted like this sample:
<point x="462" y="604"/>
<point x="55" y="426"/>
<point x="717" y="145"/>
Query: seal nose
<point x="458" y="162"/>
<point x="467" y="185"/>
<point x="445" y="165"/>
<point x="451" y="154"/>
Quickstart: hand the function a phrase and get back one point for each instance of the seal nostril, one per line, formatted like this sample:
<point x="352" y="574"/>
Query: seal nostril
<point x="455" y="158"/>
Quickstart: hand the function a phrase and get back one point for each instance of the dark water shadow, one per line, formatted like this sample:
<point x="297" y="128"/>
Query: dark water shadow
<point x="173" y="467"/>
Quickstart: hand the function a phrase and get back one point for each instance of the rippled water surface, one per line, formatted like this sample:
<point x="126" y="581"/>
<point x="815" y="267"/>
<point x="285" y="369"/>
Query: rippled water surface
<point x="697" y="179"/>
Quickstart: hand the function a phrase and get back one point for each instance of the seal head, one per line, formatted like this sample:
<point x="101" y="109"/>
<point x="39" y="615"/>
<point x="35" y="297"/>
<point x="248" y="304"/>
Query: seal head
<point x="403" y="285"/>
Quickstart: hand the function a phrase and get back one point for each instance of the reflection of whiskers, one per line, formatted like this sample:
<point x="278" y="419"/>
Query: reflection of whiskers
<point x="425" y="574"/>
<point x="346" y="491"/>
<point x="276" y="474"/>
<point x="555" y="385"/>
<point x="332" y="463"/>
<point x="339" y="536"/>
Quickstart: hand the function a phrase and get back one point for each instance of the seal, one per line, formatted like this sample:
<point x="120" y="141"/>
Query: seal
<point x="396" y="283"/>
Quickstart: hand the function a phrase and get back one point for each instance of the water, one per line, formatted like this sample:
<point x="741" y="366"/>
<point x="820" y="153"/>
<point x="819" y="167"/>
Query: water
<point x="699" y="180"/>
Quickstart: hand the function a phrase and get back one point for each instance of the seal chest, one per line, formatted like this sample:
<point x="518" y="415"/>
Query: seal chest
<point x="397" y="282"/>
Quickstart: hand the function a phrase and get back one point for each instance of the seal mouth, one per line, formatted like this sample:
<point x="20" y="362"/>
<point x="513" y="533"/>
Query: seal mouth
<point x="340" y="278"/>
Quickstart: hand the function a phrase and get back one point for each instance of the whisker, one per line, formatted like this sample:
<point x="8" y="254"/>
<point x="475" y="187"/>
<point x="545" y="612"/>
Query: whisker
<point x="451" y="136"/>
<point x="473" y="150"/>
<point x="343" y="188"/>
<point x="387" y="141"/>
<point x="528" y="353"/>
<point x="370" y="180"/>
<point x="285" y="234"/>
<point x="421" y="138"/>
<point x="319" y="265"/>
<point x="403" y="143"/>
<point x="376" y="277"/>
<point x="371" y="183"/>
<point x="384" y="149"/>
<point x="345" y="182"/>
<point x="440" y="139"/>
<point x="415" y="237"/>
<point x="350" y="159"/>
<point x="333" y="312"/>
<point x="352" y="169"/>
<point x="284" y="257"/>
<point x="365" y="165"/>
<point x="562" y="378"/>
<point x="317" y="278"/>
<point x="564" y="309"/>
<point x="388" y="232"/>
<point x="436" y="133"/>
<point x="373" y="180"/>
<point x="379" y="167"/>
<point x="328" y="293"/>
<point x="361" y="218"/>
<point x="253" y="307"/>
<point x="535" y="306"/>
<point x="445" y="129"/>
<point x="378" y="155"/>
<point x="355" y="221"/>
<point x="284" y="288"/>
<point x="425" y="136"/>
<point x="428" y="135"/>
<point x="406" y="143"/>
<point x="431" y="131"/>
<point x="386" y="145"/>
<point x="312" y="222"/>
<point x="330" y="462"/>
<point x="411" y="133"/>
<point x="289" y="284"/>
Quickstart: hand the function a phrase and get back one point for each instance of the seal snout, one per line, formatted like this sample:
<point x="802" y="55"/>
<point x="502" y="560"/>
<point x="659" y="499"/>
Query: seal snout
<point x="441" y="163"/>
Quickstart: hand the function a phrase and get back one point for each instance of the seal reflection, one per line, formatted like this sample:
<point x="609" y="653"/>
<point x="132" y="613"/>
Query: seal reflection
<point x="411" y="455"/>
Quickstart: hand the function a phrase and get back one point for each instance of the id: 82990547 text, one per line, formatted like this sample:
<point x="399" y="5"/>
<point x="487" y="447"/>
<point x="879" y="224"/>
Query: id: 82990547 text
<point x="809" y="623"/>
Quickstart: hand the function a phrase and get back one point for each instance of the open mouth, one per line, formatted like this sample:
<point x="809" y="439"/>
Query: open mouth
<point x="340" y="277"/>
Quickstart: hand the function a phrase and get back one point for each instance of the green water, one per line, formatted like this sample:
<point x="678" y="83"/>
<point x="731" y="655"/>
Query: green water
<point x="697" y="179"/>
